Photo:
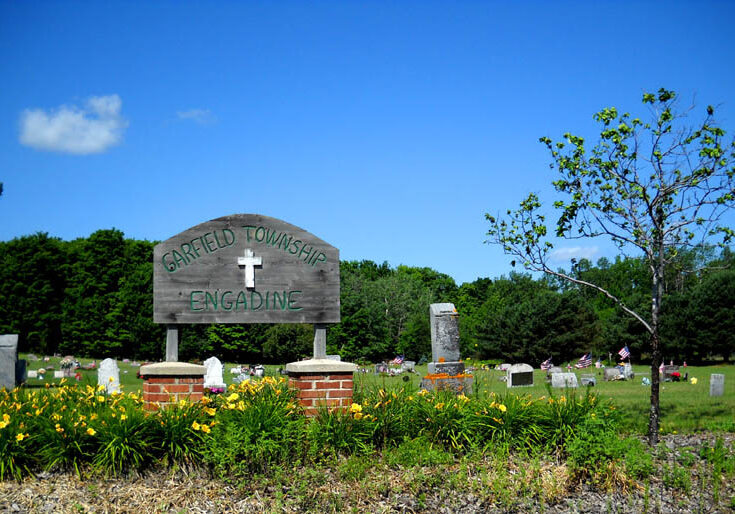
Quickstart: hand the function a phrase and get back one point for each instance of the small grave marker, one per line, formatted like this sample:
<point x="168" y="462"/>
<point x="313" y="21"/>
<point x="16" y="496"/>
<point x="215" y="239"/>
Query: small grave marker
<point x="213" y="378"/>
<point x="8" y="358"/>
<point x="520" y="375"/>
<point x="108" y="375"/>
<point x="716" y="384"/>
<point x="564" y="380"/>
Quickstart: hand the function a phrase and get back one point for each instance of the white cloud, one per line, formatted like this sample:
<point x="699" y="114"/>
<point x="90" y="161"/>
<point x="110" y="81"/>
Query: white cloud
<point x="563" y="255"/>
<point x="70" y="129"/>
<point x="201" y="116"/>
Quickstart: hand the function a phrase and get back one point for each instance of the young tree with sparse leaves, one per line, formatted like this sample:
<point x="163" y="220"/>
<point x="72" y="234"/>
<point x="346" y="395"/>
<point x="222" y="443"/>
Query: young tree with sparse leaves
<point x="652" y="187"/>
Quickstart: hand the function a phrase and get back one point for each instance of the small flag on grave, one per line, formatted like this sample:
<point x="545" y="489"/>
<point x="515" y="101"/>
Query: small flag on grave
<point x="624" y="352"/>
<point x="546" y="365"/>
<point x="398" y="360"/>
<point x="585" y="361"/>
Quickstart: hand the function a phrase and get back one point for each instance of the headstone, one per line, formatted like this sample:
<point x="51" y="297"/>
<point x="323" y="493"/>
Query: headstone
<point x="667" y="372"/>
<point x="242" y="377"/>
<point x="337" y="358"/>
<point x="612" y="374"/>
<point x="588" y="380"/>
<point x="59" y="374"/>
<point x="504" y="367"/>
<point x="108" y="375"/>
<point x="32" y="373"/>
<point x="520" y="375"/>
<point x="213" y="377"/>
<point x="444" y="322"/>
<point x="31" y="357"/>
<point x="381" y="367"/>
<point x="408" y="366"/>
<point x="8" y="357"/>
<point x="551" y="371"/>
<point x="716" y="384"/>
<point x="259" y="370"/>
<point x="564" y="380"/>
<point x="628" y="371"/>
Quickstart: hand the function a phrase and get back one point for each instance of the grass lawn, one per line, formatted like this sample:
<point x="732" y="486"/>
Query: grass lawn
<point x="685" y="407"/>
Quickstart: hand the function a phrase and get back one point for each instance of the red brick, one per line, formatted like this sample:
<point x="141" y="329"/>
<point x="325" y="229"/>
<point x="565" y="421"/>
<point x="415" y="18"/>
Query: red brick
<point x="197" y="388"/>
<point x="312" y="394"/>
<point x="311" y="412"/>
<point x="156" y="397"/>
<point x="195" y="397"/>
<point x="341" y="377"/>
<point x="310" y="377"/>
<point x="151" y="388"/>
<point x="328" y="403"/>
<point x="347" y="402"/>
<point x="340" y="393"/>
<point x="176" y="388"/>
<point x="347" y="384"/>
<point x="158" y="380"/>
<point x="191" y="380"/>
<point x="327" y="384"/>
<point x="305" y="384"/>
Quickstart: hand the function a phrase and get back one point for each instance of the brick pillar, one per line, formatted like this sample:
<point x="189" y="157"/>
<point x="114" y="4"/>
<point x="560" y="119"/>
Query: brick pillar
<point x="322" y="382"/>
<point x="166" y="383"/>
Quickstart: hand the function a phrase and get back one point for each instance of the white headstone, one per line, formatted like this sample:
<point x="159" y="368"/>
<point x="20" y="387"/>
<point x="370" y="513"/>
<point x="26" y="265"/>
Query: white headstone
<point x="59" y="374"/>
<point x="408" y="366"/>
<point x="108" y="375"/>
<point x="32" y="373"/>
<point x="564" y="380"/>
<point x="520" y="375"/>
<point x="716" y="384"/>
<point x="259" y="370"/>
<point x="213" y="377"/>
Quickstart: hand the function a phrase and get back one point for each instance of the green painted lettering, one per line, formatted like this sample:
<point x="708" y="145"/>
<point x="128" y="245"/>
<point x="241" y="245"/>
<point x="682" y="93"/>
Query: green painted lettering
<point x="308" y="253"/>
<point x="241" y="299"/>
<point x="210" y="244"/>
<point x="284" y="244"/>
<point x="179" y="259"/>
<point x="201" y="239"/>
<point x="295" y="247"/>
<point x="226" y="305"/>
<point x="229" y="236"/>
<point x="169" y="265"/>
<point x="280" y="300"/>
<point x="260" y="234"/>
<point x="248" y="228"/>
<point x="254" y="307"/>
<point x="319" y="258"/>
<point x="192" y="301"/>
<point x="292" y="300"/>
<point x="194" y="246"/>
<point x="186" y="249"/>
<point x="209" y="297"/>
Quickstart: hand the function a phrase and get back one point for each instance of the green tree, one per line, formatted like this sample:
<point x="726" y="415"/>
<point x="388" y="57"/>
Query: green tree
<point x="655" y="187"/>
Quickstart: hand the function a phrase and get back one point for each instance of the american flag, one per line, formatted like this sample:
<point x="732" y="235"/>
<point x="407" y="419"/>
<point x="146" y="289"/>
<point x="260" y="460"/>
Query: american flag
<point x="546" y="365"/>
<point x="624" y="352"/>
<point x="398" y="360"/>
<point x="585" y="361"/>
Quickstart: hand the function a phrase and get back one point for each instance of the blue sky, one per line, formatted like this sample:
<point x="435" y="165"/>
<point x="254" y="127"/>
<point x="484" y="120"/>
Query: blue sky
<point x="388" y="129"/>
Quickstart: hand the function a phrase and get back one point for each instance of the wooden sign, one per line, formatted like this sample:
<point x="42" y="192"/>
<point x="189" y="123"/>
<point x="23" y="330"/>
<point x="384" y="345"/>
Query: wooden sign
<point x="245" y="268"/>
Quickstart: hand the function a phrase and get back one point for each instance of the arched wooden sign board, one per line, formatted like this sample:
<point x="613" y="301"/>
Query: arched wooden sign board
<point x="245" y="268"/>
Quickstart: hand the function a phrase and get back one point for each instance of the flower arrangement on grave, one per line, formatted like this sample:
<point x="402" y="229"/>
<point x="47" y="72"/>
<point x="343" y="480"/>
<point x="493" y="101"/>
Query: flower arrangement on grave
<point x="67" y="363"/>
<point x="214" y="390"/>
<point x="676" y="376"/>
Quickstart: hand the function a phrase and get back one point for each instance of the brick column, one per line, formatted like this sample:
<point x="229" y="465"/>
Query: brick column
<point x="322" y="382"/>
<point x="166" y="383"/>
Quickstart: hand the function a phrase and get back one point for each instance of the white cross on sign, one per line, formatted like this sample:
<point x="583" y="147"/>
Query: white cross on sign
<point x="249" y="261"/>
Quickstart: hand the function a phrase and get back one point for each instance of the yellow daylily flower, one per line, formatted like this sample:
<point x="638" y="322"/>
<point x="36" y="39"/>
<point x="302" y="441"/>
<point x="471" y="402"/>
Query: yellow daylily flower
<point x="91" y="431"/>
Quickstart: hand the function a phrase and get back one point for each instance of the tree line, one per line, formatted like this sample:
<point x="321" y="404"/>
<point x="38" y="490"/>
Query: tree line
<point x="93" y="297"/>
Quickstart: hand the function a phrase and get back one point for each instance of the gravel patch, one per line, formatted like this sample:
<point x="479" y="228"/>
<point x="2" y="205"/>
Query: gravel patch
<point x="197" y="492"/>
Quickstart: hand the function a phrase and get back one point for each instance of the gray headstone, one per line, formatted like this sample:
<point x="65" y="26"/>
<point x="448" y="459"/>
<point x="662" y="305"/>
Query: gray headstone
<point x="8" y="357"/>
<point x="21" y="367"/>
<point x="409" y="366"/>
<point x="588" y="380"/>
<point x="337" y="358"/>
<point x="716" y="384"/>
<point x="519" y="375"/>
<point x="213" y="377"/>
<point x="108" y="375"/>
<point x="445" y="356"/>
<point x="381" y="367"/>
<point x="564" y="380"/>
<point x="611" y="374"/>
<point x="628" y="371"/>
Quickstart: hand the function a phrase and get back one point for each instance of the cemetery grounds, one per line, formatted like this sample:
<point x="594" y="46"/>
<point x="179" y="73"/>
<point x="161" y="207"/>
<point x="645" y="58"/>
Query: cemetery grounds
<point x="691" y="470"/>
